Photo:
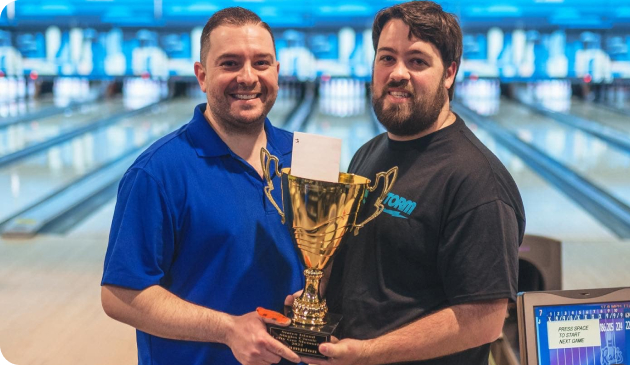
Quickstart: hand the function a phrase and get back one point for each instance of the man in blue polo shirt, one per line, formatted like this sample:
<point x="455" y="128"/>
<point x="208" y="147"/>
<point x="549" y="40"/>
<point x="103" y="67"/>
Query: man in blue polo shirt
<point x="195" y="245"/>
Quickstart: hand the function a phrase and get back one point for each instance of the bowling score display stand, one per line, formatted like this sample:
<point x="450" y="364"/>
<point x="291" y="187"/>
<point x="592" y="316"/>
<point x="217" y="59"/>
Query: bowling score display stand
<point x="319" y="206"/>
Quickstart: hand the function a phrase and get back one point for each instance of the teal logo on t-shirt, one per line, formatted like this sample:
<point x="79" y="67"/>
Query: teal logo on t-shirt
<point x="400" y="204"/>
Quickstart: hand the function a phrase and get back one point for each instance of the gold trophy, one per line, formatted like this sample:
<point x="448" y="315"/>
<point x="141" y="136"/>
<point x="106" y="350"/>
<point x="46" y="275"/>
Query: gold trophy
<point x="318" y="214"/>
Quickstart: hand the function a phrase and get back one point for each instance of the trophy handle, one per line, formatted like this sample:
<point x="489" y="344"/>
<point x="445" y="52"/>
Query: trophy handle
<point x="265" y="161"/>
<point x="389" y="178"/>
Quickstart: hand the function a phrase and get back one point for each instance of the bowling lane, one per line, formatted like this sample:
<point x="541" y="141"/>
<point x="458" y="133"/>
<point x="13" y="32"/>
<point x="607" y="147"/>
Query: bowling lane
<point x="345" y="117"/>
<point x="354" y="129"/>
<point x="281" y="110"/>
<point x="605" y="166"/>
<point x="592" y="111"/>
<point x="22" y="135"/>
<point x="548" y="212"/>
<point x="28" y="181"/>
<point x="23" y="107"/>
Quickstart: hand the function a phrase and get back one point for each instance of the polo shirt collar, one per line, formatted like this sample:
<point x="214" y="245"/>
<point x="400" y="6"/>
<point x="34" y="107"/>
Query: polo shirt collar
<point x="207" y="142"/>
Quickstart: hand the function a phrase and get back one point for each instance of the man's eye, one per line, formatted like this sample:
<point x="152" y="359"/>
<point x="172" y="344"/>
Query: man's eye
<point x="228" y="63"/>
<point x="387" y="58"/>
<point x="263" y="63"/>
<point x="418" y="61"/>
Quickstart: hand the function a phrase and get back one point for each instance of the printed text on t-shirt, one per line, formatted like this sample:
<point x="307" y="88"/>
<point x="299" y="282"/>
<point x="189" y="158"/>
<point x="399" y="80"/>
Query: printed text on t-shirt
<point x="402" y="205"/>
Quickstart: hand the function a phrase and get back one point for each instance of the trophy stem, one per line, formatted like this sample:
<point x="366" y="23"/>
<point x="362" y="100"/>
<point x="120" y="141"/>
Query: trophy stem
<point x="309" y="308"/>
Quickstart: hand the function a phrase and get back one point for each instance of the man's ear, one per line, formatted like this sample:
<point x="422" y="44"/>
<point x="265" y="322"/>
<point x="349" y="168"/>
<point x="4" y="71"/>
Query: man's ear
<point x="200" y="73"/>
<point x="449" y="75"/>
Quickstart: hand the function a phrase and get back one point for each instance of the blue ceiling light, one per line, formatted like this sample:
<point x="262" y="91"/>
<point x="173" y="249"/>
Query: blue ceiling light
<point x="286" y="21"/>
<point x="622" y="12"/>
<point x="118" y="11"/>
<point x="326" y="14"/>
<point x="493" y="11"/>
<point x="47" y="9"/>
<point x="268" y="11"/>
<point x="582" y="22"/>
<point x="190" y="9"/>
<point x="202" y="7"/>
<point x="504" y="10"/>
<point x="566" y="12"/>
<point x="356" y="9"/>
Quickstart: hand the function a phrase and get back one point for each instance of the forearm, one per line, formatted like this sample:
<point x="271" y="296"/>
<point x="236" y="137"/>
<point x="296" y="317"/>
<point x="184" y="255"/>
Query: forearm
<point x="445" y="332"/>
<point x="157" y="311"/>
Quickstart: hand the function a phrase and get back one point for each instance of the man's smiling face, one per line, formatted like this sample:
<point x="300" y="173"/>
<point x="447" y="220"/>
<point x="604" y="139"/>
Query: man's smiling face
<point x="409" y="82"/>
<point x="240" y="76"/>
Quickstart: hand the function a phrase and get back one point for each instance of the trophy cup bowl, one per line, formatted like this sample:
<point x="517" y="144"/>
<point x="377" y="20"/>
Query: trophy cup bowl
<point x="318" y="214"/>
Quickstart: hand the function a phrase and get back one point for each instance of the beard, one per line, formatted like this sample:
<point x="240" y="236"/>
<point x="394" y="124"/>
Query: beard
<point x="232" y="123"/>
<point x="410" y="118"/>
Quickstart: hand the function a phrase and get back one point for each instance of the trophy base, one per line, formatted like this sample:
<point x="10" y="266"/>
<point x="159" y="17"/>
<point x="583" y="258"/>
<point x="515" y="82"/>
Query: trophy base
<point x="302" y="339"/>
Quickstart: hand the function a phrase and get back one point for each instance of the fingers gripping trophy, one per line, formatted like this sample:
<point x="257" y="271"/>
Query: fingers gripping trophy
<point x="318" y="214"/>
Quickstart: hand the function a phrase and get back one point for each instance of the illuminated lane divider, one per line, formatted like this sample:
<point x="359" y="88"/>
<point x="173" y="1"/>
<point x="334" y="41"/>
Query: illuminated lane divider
<point x="64" y="137"/>
<point x="613" y="136"/>
<point x="45" y="112"/>
<point x="608" y="210"/>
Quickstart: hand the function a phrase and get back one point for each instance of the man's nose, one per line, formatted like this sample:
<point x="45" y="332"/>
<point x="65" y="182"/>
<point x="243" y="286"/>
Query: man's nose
<point x="247" y="75"/>
<point x="399" y="72"/>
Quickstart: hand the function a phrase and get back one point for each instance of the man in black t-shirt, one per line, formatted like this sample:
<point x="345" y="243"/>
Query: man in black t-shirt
<point x="428" y="281"/>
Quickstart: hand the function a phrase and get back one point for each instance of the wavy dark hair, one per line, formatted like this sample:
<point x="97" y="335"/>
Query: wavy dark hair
<point x="429" y="22"/>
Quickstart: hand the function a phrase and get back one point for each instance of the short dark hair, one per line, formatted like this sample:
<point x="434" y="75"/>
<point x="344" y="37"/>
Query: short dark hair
<point x="234" y="16"/>
<point x="428" y="22"/>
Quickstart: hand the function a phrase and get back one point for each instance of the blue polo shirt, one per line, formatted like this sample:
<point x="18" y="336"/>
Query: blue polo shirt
<point x="192" y="217"/>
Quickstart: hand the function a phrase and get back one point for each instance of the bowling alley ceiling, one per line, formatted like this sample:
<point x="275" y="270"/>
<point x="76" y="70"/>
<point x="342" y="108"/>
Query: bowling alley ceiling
<point x="568" y="14"/>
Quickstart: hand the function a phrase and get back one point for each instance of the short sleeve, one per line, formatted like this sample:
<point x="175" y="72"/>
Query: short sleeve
<point x="478" y="256"/>
<point x="141" y="240"/>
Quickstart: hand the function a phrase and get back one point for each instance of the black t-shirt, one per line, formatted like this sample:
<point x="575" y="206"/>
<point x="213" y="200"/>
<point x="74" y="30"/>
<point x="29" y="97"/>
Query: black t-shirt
<point x="449" y="234"/>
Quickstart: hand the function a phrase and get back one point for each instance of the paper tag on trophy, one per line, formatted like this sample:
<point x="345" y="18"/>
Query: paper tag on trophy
<point x="316" y="157"/>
